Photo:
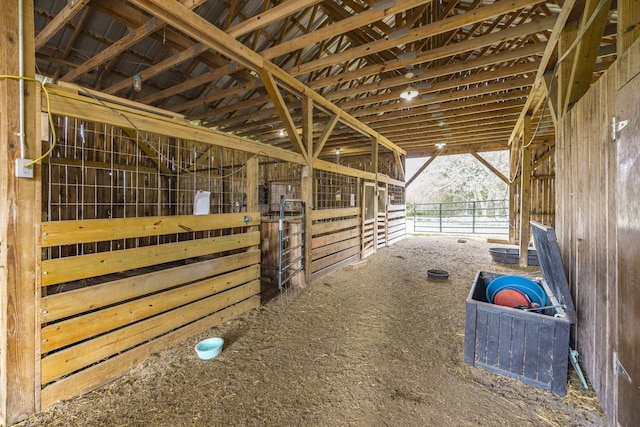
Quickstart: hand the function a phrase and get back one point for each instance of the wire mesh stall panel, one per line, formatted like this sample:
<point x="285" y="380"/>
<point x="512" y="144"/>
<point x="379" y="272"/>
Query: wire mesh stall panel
<point x="396" y="214"/>
<point x="278" y="180"/>
<point x="145" y="241"/>
<point x="336" y="222"/>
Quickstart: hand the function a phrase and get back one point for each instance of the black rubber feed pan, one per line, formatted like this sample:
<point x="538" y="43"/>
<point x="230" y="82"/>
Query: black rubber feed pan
<point x="435" y="274"/>
<point x="512" y="255"/>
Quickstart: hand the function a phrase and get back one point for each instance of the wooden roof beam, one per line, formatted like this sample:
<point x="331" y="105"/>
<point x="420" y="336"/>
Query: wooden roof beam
<point x="489" y="166"/>
<point x="151" y="26"/>
<point x="421" y="169"/>
<point x="538" y="90"/>
<point x="509" y="85"/>
<point x="60" y="20"/>
<point x="154" y="70"/>
<point x="480" y="14"/>
<point x="473" y="79"/>
<point x="271" y="15"/>
<point x="342" y="26"/>
<point x="536" y="25"/>
<point x="209" y="35"/>
<point x="283" y="111"/>
<point x="428" y="74"/>
<point x="587" y="49"/>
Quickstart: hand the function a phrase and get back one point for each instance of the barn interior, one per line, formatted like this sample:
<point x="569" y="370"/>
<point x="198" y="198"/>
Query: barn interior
<point x="163" y="156"/>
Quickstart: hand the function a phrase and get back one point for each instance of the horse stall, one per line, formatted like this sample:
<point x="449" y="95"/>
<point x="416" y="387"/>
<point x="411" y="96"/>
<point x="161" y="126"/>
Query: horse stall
<point x="153" y="230"/>
<point x="148" y="236"/>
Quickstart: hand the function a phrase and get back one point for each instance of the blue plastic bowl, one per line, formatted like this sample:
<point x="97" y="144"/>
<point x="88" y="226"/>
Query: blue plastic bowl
<point x="209" y="348"/>
<point x="534" y="291"/>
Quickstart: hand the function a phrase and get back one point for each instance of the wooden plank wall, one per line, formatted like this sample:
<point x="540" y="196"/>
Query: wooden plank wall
<point x="396" y="214"/>
<point x="93" y="334"/>
<point x="126" y="269"/>
<point x="335" y="239"/>
<point x="396" y="223"/>
<point x="543" y="200"/>
<point x="586" y="228"/>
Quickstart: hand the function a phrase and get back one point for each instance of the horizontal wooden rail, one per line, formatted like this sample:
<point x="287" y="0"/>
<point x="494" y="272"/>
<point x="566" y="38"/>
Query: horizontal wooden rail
<point x="78" y="328"/>
<point x="78" y="301"/>
<point x="318" y="215"/>
<point x="88" y="352"/>
<point x="99" y="374"/>
<point x="84" y="266"/>
<point x="333" y="226"/>
<point x="55" y="233"/>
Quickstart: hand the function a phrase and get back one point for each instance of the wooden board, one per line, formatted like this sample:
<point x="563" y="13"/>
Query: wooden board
<point x="66" y="332"/>
<point x="80" y="267"/>
<point x="56" y="233"/>
<point x="84" y="354"/>
<point x="77" y="301"/>
<point x="102" y="373"/>
<point x="627" y="195"/>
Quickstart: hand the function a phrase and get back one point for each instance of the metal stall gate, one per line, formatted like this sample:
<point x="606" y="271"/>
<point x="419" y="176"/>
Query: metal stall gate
<point x="291" y="249"/>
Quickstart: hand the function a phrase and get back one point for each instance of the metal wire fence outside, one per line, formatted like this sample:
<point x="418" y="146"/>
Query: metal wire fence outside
<point x="472" y="217"/>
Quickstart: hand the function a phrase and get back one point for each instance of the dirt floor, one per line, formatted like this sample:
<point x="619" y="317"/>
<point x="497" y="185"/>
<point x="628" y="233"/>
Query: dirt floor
<point x="374" y="344"/>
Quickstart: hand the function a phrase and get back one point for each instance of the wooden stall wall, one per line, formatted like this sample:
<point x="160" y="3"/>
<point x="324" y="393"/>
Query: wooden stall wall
<point x="543" y="178"/>
<point x="396" y="214"/>
<point x="146" y="240"/>
<point x="588" y="193"/>
<point x="336" y="222"/>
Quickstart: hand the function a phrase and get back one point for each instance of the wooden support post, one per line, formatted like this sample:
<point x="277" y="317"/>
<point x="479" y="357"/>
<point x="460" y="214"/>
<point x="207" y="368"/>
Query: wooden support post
<point x="525" y="193"/>
<point x="307" y="181"/>
<point x="374" y="169"/>
<point x="514" y="202"/>
<point x="628" y="24"/>
<point x="562" y="89"/>
<point x="19" y="220"/>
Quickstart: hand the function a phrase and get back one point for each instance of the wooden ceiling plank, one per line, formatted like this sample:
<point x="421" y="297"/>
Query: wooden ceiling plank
<point x="467" y="104"/>
<point x="154" y="70"/>
<point x="342" y="26"/>
<point x="151" y="26"/>
<point x="439" y="53"/>
<point x="484" y="61"/>
<point x="60" y="20"/>
<point x="473" y="79"/>
<point x="480" y="14"/>
<point x="450" y="96"/>
<point x="538" y="87"/>
<point x="274" y="14"/>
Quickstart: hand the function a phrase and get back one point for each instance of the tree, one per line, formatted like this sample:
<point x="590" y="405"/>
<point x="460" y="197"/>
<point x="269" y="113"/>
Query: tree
<point x="458" y="178"/>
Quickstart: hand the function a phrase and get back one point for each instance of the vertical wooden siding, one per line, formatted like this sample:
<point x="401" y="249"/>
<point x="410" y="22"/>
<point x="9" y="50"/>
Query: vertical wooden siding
<point x="586" y="223"/>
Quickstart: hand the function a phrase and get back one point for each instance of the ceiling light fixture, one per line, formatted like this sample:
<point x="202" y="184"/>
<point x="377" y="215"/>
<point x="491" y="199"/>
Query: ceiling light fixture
<point x="409" y="93"/>
<point x="440" y="145"/>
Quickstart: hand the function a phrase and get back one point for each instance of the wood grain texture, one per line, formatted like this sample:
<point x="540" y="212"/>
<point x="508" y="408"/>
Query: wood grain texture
<point x="102" y="373"/>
